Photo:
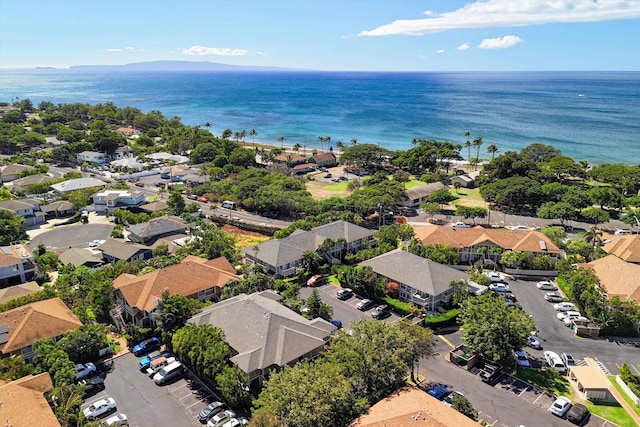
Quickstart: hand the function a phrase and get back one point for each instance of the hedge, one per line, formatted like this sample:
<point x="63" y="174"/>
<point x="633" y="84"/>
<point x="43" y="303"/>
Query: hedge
<point x="402" y="308"/>
<point x="441" y="319"/>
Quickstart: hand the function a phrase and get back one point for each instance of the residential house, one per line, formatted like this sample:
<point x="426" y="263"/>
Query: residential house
<point x="116" y="250"/>
<point x="21" y="327"/>
<point x="106" y="201"/>
<point x="280" y="257"/>
<point x="81" y="257"/>
<point x="264" y="334"/>
<point x="167" y="157"/>
<point x="128" y="132"/>
<point x="17" y="291"/>
<point x="196" y="278"/>
<point x="29" y="209"/>
<point x="487" y="243"/>
<point x="290" y="160"/>
<point x="128" y="163"/>
<point x="411" y="406"/>
<point x="626" y="248"/>
<point x="148" y="232"/>
<point x="421" y="281"/>
<point x="464" y="180"/>
<point x="122" y="152"/>
<point x="324" y="160"/>
<point x="303" y="168"/>
<point x="617" y="277"/>
<point x="24" y="403"/>
<point x="92" y="157"/>
<point x="157" y="206"/>
<point x="17" y="265"/>
<point x="76" y="184"/>
<point x="418" y="195"/>
<point x="12" y="172"/>
<point x="60" y="208"/>
<point x="21" y="185"/>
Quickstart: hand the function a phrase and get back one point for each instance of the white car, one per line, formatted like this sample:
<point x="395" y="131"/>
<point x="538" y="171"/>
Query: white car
<point x="499" y="287"/>
<point x="99" y="408"/>
<point x="622" y="232"/>
<point x="546" y="286"/>
<point x="533" y="342"/>
<point x="560" y="406"/>
<point x="564" y="306"/>
<point x="460" y="224"/>
<point x="119" y="420"/>
<point x="568" y="314"/>
<point x="553" y="297"/>
<point x="520" y="228"/>
<point x="221" y="418"/>
<point x="495" y="276"/>
<point x="84" y="370"/>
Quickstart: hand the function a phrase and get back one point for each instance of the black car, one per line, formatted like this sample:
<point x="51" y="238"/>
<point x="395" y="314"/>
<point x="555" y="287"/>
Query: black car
<point x="92" y="385"/>
<point x="381" y="312"/>
<point x="578" y="414"/>
<point x="212" y="409"/>
<point x="344" y="294"/>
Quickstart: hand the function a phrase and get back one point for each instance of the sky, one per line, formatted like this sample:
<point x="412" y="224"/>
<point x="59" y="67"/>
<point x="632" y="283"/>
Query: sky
<point x="341" y="35"/>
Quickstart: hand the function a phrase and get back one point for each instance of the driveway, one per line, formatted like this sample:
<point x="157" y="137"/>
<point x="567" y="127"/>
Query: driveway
<point x="146" y="404"/>
<point x="554" y="336"/>
<point x="74" y="235"/>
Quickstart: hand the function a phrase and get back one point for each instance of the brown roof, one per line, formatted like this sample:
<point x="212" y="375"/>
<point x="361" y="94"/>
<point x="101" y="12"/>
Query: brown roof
<point x="618" y="277"/>
<point x="295" y="158"/>
<point x="412" y="407"/>
<point x="324" y="157"/>
<point x="524" y="241"/>
<point x="304" y="166"/>
<point x="590" y="377"/>
<point x="14" y="169"/>
<point x="43" y="319"/>
<point x="156" y="206"/>
<point x="24" y="404"/>
<point x="624" y="247"/>
<point x="17" y="291"/>
<point x="7" y="259"/>
<point x="192" y="275"/>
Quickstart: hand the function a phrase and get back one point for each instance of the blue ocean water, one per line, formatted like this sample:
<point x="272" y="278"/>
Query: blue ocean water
<point x="593" y="116"/>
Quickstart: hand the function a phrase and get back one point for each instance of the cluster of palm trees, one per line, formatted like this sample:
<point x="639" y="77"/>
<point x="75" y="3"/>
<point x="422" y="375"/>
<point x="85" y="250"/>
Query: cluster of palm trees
<point x="477" y="142"/>
<point x="238" y="135"/>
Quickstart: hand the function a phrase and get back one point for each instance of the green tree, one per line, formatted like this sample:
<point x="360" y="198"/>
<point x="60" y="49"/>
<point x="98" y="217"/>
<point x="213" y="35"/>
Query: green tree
<point x="84" y="344"/>
<point x="471" y="212"/>
<point x="232" y="383"/>
<point x="176" y="203"/>
<point x="317" y="308"/>
<point x="441" y="197"/>
<point x="537" y="152"/>
<point x="492" y="149"/>
<point x="11" y="227"/>
<point x="173" y="313"/>
<point x="493" y="329"/>
<point x="596" y="215"/>
<point x="560" y="210"/>
<point x="461" y="404"/>
<point x="362" y="279"/>
<point x="263" y="418"/>
<point x="477" y="143"/>
<point x="437" y="252"/>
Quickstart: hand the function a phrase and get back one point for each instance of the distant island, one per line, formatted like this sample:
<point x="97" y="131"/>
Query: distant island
<point x="179" y="66"/>
<point x="45" y="68"/>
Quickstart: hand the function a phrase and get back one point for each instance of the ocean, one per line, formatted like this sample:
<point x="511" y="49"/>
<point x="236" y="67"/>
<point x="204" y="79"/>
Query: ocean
<point x="593" y="116"/>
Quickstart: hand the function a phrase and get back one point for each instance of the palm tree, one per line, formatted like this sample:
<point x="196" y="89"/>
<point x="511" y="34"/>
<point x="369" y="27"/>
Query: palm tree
<point x="296" y="147"/>
<point x="477" y="143"/>
<point x="327" y="139"/>
<point x="354" y="141"/>
<point x="493" y="149"/>
<point x="339" y="145"/>
<point x="243" y="135"/>
<point x="468" y="144"/>
<point x="321" y="139"/>
<point x="253" y="134"/>
<point x="593" y="236"/>
<point x="207" y="125"/>
<point x="281" y="139"/>
<point x="414" y="141"/>
<point x="236" y="135"/>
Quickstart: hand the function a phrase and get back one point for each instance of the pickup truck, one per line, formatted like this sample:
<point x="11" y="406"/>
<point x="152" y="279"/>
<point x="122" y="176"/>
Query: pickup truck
<point x="490" y="372"/>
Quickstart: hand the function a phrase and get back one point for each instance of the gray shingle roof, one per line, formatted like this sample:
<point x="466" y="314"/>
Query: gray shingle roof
<point x="121" y="250"/>
<point x="77" y="184"/>
<point x="60" y="205"/>
<point x="80" y="256"/>
<point x="424" y="190"/>
<point x="420" y="273"/>
<point x="283" y="251"/>
<point x="158" y="227"/>
<point x="15" y="205"/>
<point x="264" y="332"/>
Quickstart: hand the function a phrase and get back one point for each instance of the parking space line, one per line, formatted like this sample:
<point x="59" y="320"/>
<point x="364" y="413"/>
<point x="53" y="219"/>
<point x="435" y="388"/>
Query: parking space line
<point x="525" y="390"/>
<point x="446" y="341"/>
<point x="534" y="402"/>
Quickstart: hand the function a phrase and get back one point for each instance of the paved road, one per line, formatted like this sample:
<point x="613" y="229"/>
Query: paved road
<point x="74" y="235"/>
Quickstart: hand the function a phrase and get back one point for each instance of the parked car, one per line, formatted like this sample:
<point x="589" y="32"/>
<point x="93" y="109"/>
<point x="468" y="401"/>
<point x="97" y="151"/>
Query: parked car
<point x="560" y="406"/>
<point x="316" y="280"/>
<point x="119" y="420"/>
<point x="337" y="323"/>
<point x="145" y="361"/>
<point x="533" y="342"/>
<point x="568" y="314"/>
<point x="546" y="286"/>
<point x="568" y="359"/>
<point x="84" y="370"/>
<point x="553" y="297"/>
<point x="92" y="385"/>
<point x="521" y="359"/>
<point x="622" y="232"/>
<point x="220" y="418"/>
<point x="499" y="287"/>
<point x="146" y="346"/>
<point x="202" y="199"/>
<point x="513" y="305"/>
<point x="554" y="361"/>
<point x="192" y="197"/>
<point x="495" y="276"/>
<point x="168" y="373"/>
<point x="460" y="224"/>
<point x="438" y="391"/>
<point x="520" y="228"/>
<point x="344" y="294"/>
<point x="578" y="414"/>
<point x="165" y="175"/>
<point x="100" y="408"/>
<point x="365" y="304"/>
<point x="212" y="409"/>
<point x="448" y="400"/>
<point x="381" y="312"/>
<point x="507" y="296"/>
<point x="564" y="306"/>
<point x="568" y="321"/>
<point x="328" y="175"/>
<point x="235" y="422"/>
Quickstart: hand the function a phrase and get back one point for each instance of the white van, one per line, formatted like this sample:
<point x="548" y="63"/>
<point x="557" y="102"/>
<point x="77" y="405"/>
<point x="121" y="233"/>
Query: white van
<point x="158" y="364"/>
<point x="554" y="361"/>
<point x="168" y="373"/>
<point x="228" y="204"/>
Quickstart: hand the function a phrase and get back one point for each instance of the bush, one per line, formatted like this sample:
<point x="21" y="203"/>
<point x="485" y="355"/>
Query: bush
<point x="402" y="308"/>
<point x="440" y="320"/>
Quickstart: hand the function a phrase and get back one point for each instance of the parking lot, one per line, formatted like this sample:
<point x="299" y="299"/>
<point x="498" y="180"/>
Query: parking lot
<point x="176" y="404"/>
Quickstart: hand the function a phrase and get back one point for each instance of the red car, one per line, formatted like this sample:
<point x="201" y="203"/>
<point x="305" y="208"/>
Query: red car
<point x="316" y="280"/>
<point x="202" y="199"/>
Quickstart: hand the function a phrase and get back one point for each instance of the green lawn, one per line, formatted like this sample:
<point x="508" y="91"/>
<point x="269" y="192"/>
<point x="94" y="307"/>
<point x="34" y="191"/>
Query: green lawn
<point x="547" y="380"/>
<point x="414" y="183"/>
<point x="340" y="186"/>
<point x="612" y="412"/>
<point x="612" y="378"/>
<point x="468" y="197"/>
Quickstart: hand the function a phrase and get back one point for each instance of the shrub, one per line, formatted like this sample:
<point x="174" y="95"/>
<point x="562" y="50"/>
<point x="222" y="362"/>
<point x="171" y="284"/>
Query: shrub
<point x="402" y="308"/>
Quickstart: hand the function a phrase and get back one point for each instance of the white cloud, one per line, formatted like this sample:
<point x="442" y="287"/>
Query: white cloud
<point x="440" y="51"/>
<point x="500" y="42"/>
<point x="513" y="13"/>
<point x="217" y="51"/>
<point x="260" y="53"/>
<point x="114" y="49"/>
<point x="130" y="48"/>
<point x="464" y="46"/>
